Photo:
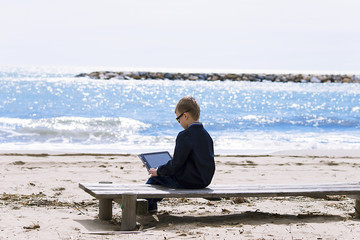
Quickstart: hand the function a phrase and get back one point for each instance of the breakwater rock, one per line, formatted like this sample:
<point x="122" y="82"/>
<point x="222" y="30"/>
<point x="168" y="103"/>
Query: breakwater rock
<point x="314" y="78"/>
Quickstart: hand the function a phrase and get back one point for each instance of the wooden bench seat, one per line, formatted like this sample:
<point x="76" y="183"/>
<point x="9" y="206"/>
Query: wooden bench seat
<point x="128" y="193"/>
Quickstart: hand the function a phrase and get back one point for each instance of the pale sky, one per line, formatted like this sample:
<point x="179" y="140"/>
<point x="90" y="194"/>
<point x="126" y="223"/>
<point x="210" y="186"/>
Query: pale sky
<point x="294" y="35"/>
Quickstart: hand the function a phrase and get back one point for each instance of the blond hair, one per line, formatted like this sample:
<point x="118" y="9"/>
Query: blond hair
<point x="189" y="105"/>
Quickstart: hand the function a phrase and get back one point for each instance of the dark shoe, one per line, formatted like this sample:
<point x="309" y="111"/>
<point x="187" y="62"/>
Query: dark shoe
<point x="153" y="211"/>
<point x="152" y="207"/>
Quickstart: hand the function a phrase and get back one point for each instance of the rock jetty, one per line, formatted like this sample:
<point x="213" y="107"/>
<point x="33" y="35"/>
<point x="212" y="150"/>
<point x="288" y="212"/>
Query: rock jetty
<point x="313" y="78"/>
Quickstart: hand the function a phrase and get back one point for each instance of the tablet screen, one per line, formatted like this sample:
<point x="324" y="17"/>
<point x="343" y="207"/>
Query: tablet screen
<point x="156" y="159"/>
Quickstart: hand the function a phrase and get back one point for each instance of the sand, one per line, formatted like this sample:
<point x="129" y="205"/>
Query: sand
<point x="40" y="199"/>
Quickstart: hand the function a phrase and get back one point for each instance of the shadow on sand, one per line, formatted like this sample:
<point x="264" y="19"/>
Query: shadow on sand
<point x="163" y="219"/>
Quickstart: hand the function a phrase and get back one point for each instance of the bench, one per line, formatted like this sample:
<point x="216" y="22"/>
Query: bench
<point x="127" y="194"/>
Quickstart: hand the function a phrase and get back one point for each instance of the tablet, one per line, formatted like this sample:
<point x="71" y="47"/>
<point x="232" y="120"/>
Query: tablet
<point x="155" y="159"/>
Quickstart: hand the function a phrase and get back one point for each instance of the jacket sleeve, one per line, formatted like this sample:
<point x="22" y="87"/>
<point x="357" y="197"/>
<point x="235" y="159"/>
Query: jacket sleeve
<point x="181" y="153"/>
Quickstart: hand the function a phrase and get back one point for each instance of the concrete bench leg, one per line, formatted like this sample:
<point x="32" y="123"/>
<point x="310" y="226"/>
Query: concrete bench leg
<point x="105" y="209"/>
<point x="128" y="221"/>
<point x="357" y="208"/>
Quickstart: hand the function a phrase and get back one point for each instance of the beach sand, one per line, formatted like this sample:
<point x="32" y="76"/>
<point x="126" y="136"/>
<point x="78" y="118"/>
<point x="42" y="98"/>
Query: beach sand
<point x="40" y="199"/>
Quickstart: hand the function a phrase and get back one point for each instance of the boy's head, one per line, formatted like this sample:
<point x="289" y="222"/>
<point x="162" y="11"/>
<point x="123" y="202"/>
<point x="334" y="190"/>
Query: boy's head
<point x="189" y="107"/>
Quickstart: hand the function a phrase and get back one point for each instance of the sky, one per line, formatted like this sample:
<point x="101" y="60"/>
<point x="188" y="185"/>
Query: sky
<point x="271" y="35"/>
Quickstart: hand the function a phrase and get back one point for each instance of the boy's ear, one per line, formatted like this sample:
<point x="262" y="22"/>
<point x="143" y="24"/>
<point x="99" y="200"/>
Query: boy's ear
<point x="187" y="115"/>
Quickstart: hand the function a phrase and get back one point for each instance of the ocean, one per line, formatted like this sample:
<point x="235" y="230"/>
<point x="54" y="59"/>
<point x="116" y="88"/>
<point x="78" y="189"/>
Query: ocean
<point x="47" y="109"/>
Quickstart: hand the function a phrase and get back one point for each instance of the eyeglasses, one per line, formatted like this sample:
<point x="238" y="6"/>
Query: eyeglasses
<point x="178" y="118"/>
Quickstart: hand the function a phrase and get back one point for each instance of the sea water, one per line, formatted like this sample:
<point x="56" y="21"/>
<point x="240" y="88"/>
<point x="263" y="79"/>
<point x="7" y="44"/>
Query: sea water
<point x="49" y="110"/>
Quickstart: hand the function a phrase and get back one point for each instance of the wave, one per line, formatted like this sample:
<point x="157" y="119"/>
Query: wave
<point x="125" y="135"/>
<point x="303" y="120"/>
<point x="69" y="129"/>
<point x="107" y="130"/>
<point x="273" y="141"/>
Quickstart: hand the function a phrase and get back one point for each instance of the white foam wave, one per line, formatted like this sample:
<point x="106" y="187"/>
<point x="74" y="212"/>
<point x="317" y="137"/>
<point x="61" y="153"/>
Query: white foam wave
<point x="268" y="142"/>
<point x="70" y="129"/>
<point x="247" y="142"/>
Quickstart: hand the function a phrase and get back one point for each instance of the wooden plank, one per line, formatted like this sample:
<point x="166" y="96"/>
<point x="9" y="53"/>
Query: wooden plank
<point x="161" y="190"/>
<point x="148" y="191"/>
<point x="215" y="188"/>
<point x="116" y="194"/>
<point x="153" y="188"/>
<point x="148" y="186"/>
<point x="235" y="191"/>
<point x="264" y="193"/>
<point x="224" y="195"/>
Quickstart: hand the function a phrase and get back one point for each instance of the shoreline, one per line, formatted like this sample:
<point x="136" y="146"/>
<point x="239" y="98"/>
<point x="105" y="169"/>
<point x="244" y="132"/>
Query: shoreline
<point x="335" y="153"/>
<point x="253" y="77"/>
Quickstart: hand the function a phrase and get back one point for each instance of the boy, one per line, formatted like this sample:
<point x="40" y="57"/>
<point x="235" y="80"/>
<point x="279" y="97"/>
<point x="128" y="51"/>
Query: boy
<point x="193" y="164"/>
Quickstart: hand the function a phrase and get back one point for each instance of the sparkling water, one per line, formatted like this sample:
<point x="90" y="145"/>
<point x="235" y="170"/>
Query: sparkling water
<point x="49" y="110"/>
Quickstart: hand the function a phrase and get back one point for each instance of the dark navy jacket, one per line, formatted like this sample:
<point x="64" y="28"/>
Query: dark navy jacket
<point x="193" y="164"/>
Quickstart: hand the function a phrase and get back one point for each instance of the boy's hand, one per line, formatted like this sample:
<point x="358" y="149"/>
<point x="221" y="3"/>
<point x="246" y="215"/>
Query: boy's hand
<point x="153" y="172"/>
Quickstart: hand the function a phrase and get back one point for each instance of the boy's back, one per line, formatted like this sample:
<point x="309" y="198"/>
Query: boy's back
<point x="193" y="164"/>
